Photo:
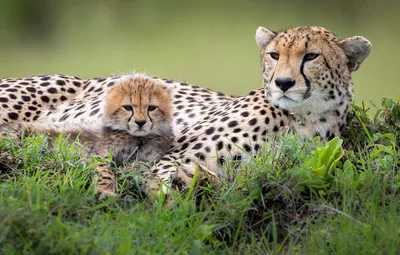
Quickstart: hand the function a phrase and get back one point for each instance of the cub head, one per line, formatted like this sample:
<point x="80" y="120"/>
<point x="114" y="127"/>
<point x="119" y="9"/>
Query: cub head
<point x="138" y="105"/>
<point x="307" y="69"/>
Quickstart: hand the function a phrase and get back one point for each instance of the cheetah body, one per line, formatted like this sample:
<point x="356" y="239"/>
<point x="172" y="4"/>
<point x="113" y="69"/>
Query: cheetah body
<point x="307" y="88"/>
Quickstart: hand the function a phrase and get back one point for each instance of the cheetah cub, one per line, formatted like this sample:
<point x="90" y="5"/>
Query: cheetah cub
<point x="136" y="122"/>
<point x="136" y="126"/>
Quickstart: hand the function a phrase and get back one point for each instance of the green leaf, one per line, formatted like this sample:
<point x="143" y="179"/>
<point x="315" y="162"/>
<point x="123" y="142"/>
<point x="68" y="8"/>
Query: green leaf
<point x="387" y="103"/>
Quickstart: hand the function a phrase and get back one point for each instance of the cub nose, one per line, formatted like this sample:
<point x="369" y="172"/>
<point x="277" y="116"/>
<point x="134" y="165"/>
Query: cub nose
<point x="284" y="83"/>
<point x="140" y="123"/>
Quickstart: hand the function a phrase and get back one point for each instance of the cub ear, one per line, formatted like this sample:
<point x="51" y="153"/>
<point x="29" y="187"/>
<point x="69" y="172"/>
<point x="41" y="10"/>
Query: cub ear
<point x="356" y="48"/>
<point x="168" y="87"/>
<point x="263" y="37"/>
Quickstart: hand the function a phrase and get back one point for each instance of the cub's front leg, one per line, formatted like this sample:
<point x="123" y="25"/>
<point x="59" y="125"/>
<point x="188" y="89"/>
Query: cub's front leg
<point x="12" y="130"/>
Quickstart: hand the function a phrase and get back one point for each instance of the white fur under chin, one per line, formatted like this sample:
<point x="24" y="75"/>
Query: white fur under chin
<point x="152" y="130"/>
<point x="139" y="132"/>
<point x="134" y="131"/>
<point x="315" y="104"/>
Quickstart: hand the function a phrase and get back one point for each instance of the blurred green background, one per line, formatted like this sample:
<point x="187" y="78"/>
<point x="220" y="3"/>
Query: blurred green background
<point x="210" y="43"/>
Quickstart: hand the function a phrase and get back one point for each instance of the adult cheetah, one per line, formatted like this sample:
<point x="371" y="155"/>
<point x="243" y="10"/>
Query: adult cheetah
<point x="307" y="89"/>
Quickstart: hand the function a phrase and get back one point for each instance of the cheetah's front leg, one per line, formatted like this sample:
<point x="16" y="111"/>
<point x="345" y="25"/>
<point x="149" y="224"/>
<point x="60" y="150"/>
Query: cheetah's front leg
<point x="170" y="173"/>
<point x="106" y="184"/>
<point x="12" y="130"/>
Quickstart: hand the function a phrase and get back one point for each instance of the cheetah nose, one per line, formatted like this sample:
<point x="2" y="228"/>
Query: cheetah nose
<point x="140" y="123"/>
<point x="284" y="83"/>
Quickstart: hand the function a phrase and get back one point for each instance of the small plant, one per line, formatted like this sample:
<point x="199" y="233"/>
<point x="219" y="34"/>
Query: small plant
<point x="361" y="129"/>
<point x="317" y="172"/>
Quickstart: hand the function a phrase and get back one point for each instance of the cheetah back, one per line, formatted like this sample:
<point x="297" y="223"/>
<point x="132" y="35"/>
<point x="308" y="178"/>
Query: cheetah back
<point x="26" y="99"/>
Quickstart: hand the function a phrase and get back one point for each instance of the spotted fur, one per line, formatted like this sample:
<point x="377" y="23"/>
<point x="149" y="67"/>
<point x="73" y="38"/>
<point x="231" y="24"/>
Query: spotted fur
<point x="25" y="99"/>
<point x="307" y="89"/>
<point x="136" y="126"/>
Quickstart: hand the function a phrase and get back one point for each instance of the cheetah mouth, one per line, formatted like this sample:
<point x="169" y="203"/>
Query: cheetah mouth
<point x="141" y="133"/>
<point x="286" y="102"/>
<point x="138" y="132"/>
<point x="286" y="98"/>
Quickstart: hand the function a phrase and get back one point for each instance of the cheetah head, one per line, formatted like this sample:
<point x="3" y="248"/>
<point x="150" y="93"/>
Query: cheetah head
<point x="307" y="69"/>
<point x="139" y="106"/>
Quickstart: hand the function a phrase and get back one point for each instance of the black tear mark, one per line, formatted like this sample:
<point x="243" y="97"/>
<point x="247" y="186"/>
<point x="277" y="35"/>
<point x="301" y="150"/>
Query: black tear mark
<point x="308" y="84"/>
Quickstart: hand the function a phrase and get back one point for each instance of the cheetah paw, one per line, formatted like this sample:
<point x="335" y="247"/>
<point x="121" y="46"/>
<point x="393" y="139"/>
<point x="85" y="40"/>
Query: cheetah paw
<point x="103" y="194"/>
<point x="11" y="130"/>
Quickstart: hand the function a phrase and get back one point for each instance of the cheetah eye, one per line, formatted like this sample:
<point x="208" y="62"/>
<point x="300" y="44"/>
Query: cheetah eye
<point x="274" y="55"/>
<point x="151" y="108"/>
<point x="310" y="56"/>
<point x="128" y="107"/>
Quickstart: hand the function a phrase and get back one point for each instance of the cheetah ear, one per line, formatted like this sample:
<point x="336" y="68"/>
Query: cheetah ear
<point x="356" y="48"/>
<point x="263" y="37"/>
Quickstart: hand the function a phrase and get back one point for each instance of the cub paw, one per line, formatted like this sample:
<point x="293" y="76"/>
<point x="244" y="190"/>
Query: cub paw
<point x="104" y="194"/>
<point x="11" y="130"/>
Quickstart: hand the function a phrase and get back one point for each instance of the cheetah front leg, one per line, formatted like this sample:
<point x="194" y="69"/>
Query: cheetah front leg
<point x="159" y="178"/>
<point x="170" y="173"/>
<point x="12" y="130"/>
<point x="106" y="183"/>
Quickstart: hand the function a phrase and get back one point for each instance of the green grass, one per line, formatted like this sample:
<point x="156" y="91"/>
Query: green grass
<point x="297" y="197"/>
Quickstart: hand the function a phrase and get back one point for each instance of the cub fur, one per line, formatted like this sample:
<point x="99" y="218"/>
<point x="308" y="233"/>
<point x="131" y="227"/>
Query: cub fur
<point x="137" y="126"/>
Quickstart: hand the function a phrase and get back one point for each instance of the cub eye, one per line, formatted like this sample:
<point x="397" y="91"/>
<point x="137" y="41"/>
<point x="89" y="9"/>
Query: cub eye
<point x="310" y="56"/>
<point x="151" y="108"/>
<point x="128" y="107"/>
<point x="274" y="55"/>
